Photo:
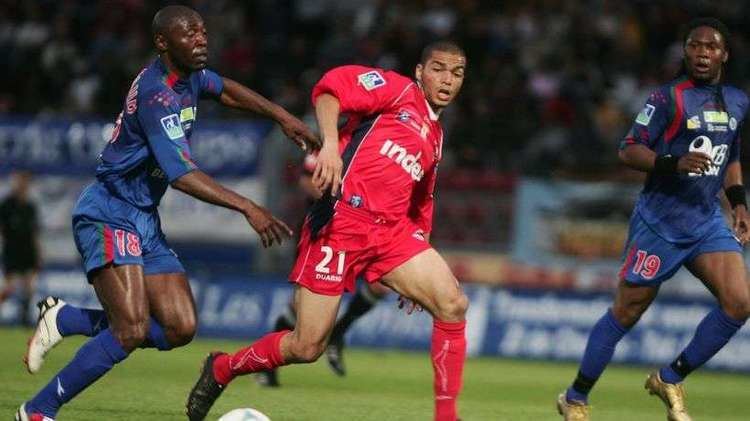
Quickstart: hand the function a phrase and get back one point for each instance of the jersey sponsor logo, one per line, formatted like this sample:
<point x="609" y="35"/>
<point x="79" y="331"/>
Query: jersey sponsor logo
<point x="407" y="119"/>
<point x="371" y="80"/>
<point x="644" y="117"/>
<point x="733" y="123"/>
<point x="187" y="114"/>
<point x="720" y="117"/>
<point x="172" y="127"/>
<point x="717" y="153"/>
<point x="409" y="162"/>
<point x="694" y="123"/>
<point x="716" y="127"/>
<point x="158" y="173"/>
<point x="356" y="201"/>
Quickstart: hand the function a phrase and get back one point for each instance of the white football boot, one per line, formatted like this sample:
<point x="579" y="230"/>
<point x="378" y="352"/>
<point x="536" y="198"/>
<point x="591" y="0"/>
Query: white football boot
<point x="46" y="335"/>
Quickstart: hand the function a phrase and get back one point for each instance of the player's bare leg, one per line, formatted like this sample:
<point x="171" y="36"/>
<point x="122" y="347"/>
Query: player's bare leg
<point x="316" y="314"/>
<point x="366" y="297"/>
<point x="724" y="275"/>
<point x="631" y="301"/>
<point x="122" y="293"/>
<point x="427" y="279"/>
<point x="171" y="304"/>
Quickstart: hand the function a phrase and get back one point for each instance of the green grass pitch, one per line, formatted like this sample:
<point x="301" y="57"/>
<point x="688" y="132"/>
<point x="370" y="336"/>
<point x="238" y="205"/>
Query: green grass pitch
<point x="381" y="385"/>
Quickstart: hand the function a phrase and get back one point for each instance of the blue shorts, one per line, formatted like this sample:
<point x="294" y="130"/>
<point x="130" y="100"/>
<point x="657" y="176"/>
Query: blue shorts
<point x="649" y="259"/>
<point x="109" y="230"/>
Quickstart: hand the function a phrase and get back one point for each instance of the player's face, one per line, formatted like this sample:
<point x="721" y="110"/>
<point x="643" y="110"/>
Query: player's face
<point x="441" y="77"/>
<point x="187" y="43"/>
<point x="705" y="52"/>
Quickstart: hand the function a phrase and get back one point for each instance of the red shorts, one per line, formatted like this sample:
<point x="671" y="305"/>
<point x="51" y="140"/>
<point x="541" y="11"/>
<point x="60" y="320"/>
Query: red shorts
<point x="353" y="243"/>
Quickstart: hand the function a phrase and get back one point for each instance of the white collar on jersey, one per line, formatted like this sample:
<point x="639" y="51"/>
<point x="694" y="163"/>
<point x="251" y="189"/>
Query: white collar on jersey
<point x="433" y="115"/>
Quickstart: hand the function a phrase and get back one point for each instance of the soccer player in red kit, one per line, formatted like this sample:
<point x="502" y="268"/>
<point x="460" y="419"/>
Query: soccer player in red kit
<point x="374" y="221"/>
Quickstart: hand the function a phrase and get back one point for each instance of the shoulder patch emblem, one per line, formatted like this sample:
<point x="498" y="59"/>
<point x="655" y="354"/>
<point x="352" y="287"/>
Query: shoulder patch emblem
<point x="371" y="80"/>
<point x="172" y="127"/>
<point x="644" y="117"/>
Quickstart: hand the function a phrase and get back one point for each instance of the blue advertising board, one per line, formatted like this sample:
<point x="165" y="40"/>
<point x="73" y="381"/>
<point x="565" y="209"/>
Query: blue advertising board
<point x="501" y="322"/>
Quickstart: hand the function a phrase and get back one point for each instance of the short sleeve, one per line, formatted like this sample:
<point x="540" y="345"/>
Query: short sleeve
<point x="211" y="83"/>
<point x="159" y="116"/>
<point x="362" y="90"/>
<point x="651" y="123"/>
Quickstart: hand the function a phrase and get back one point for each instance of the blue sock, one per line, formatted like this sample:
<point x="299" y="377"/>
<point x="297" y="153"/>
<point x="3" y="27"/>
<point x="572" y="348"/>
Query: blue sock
<point x="93" y="360"/>
<point x="88" y="322"/>
<point x="156" y="338"/>
<point x="80" y="321"/>
<point x="603" y="339"/>
<point x="712" y="333"/>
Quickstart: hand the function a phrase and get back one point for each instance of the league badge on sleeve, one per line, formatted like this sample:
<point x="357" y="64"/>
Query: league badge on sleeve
<point x="172" y="127"/>
<point x="644" y="117"/>
<point x="371" y="80"/>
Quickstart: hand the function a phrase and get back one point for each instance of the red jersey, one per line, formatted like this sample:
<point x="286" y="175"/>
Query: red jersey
<point x="390" y="145"/>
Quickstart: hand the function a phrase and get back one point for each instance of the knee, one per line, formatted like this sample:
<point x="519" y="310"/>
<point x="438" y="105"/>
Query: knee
<point x="130" y="334"/>
<point x="307" y="351"/>
<point x="453" y="307"/>
<point x="737" y="308"/>
<point x="182" y="332"/>
<point x="627" y="315"/>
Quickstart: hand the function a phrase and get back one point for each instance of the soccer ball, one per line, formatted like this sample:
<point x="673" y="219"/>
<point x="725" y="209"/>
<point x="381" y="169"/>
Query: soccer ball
<point x="244" y="414"/>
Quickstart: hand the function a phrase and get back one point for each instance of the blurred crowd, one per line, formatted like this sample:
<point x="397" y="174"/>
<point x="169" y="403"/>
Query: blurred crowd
<point x="552" y="85"/>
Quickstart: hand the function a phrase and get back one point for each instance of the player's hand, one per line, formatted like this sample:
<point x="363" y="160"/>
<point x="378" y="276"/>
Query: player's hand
<point x="298" y="131"/>
<point x="328" y="170"/>
<point x="408" y="305"/>
<point x="693" y="162"/>
<point x="741" y="224"/>
<point x="269" y="228"/>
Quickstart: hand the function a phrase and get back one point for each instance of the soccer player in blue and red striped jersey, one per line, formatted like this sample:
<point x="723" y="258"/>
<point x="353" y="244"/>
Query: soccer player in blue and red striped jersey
<point x="139" y="280"/>
<point x="687" y="138"/>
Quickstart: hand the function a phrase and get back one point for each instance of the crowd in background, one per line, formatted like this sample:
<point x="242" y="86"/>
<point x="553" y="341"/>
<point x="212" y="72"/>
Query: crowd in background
<point x="552" y="86"/>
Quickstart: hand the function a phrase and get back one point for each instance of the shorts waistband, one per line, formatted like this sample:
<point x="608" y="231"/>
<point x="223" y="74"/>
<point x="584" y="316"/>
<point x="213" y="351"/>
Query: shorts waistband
<point x="364" y="214"/>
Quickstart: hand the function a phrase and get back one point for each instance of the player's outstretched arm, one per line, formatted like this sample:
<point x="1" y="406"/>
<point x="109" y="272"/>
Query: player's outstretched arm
<point x="642" y="158"/>
<point x="238" y="96"/>
<point x="198" y="184"/>
<point x="328" y="171"/>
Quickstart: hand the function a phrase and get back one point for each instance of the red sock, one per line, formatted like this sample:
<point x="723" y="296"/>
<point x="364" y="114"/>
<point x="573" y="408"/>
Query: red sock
<point x="263" y="354"/>
<point x="448" y="353"/>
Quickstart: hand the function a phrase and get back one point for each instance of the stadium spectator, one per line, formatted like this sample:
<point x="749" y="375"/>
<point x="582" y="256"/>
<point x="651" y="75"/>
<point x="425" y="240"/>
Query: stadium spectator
<point x="22" y="258"/>
<point x="528" y="56"/>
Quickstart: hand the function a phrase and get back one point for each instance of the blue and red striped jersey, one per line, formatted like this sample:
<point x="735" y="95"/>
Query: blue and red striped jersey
<point x="150" y="144"/>
<point x="684" y="116"/>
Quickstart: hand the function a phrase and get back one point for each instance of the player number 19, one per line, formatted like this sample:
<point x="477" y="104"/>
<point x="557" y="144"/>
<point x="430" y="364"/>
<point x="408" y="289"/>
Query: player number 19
<point x="647" y="265"/>
<point x="322" y="266"/>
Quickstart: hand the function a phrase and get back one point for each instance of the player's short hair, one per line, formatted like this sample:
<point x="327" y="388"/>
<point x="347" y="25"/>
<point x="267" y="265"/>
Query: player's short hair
<point x="444" y="46"/>
<point x="165" y="17"/>
<point x="710" y="22"/>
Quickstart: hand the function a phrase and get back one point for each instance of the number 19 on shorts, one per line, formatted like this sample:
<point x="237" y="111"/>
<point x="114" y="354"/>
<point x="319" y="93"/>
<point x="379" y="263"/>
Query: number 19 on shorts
<point x="646" y="265"/>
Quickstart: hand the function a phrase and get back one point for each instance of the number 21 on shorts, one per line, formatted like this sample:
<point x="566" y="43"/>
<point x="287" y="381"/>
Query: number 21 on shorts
<point x="646" y="265"/>
<point x="322" y="266"/>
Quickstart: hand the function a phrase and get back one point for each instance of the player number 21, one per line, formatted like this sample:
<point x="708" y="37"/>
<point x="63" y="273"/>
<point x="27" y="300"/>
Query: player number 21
<point x="647" y="265"/>
<point x="322" y="266"/>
